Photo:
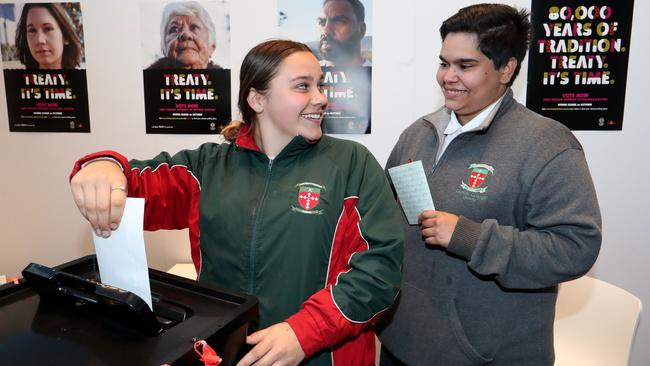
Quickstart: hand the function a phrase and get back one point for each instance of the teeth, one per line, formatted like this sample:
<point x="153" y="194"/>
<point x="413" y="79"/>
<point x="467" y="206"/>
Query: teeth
<point x="312" y="115"/>
<point x="455" y="91"/>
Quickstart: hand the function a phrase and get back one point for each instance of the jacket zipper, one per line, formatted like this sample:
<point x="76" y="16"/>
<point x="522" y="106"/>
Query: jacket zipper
<point x="251" y="265"/>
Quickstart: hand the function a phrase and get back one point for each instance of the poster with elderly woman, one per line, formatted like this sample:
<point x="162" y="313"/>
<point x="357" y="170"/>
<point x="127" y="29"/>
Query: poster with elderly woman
<point x="43" y="63"/>
<point x="186" y="66"/>
<point x="339" y="32"/>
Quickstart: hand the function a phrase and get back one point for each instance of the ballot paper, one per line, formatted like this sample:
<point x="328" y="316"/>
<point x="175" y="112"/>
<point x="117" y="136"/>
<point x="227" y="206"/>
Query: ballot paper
<point x="121" y="257"/>
<point x="412" y="189"/>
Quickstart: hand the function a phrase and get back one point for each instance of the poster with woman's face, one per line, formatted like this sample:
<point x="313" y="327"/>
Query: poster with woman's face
<point x="186" y="66"/>
<point x="339" y="32"/>
<point x="43" y="60"/>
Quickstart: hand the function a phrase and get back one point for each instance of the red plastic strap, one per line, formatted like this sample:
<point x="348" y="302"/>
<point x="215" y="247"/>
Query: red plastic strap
<point x="208" y="355"/>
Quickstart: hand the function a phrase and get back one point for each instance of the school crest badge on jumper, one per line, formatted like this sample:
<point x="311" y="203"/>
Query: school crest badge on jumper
<point x="309" y="196"/>
<point x="478" y="175"/>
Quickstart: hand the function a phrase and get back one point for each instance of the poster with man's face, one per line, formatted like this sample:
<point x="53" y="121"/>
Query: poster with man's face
<point x="186" y="66"/>
<point x="43" y="61"/>
<point x="339" y="32"/>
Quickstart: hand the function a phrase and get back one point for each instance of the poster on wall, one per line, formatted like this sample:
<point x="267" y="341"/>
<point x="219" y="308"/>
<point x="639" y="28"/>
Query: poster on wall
<point x="578" y="58"/>
<point x="340" y="35"/>
<point x="186" y="70"/>
<point x="43" y="62"/>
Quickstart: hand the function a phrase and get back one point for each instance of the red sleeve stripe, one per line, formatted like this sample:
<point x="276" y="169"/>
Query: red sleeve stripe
<point x="194" y="230"/>
<point x="336" y="230"/>
<point x="352" y="243"/>
<point x="153" y="170"/>
<point x="359" y="227"/>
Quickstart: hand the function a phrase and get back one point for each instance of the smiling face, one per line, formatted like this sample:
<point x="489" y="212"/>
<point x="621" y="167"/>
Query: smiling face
<point x="467" y="77"/>
<point x="294" y="103"/>
<point x="44" y="38"/>
<point x="187" y="41"/>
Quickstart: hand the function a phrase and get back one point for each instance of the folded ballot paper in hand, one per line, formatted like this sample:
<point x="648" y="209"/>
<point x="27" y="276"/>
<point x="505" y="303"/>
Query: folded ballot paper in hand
<point x="412" y="189"/>
<point x="121" y="257"/>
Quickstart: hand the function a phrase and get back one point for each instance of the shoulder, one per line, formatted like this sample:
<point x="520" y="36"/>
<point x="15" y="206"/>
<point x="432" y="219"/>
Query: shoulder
<point x="213" y="66"/>
<point x="342" y="147"/>
<point x="528" y="127"/>
<point x="166" y="63"/>
<point x="422" y="131"/>
<point x="346" y="155"/>
<point x="207" y="152"/>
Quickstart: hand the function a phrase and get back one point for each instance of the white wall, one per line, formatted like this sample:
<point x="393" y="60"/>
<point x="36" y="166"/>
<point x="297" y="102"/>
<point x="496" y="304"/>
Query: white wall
<point x="39" y="222"/>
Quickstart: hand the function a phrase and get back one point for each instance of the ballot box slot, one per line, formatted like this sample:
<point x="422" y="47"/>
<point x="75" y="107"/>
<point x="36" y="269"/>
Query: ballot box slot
<point x="169" y="313"/>
<point x="121" y="305"/>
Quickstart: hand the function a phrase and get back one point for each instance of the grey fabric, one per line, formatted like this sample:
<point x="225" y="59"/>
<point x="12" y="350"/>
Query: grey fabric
<point x="490" y="297"/>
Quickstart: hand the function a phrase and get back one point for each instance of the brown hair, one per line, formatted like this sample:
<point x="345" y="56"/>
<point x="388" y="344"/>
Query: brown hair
<point x="71" y="52"/>
<point x="257" y="70"/>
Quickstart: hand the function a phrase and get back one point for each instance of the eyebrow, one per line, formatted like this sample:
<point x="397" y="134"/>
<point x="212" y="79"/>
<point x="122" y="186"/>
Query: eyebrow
<point x="459" y="61"/>
<point x="298" y="78"/>
<point x="307" y="78"/>
<point x="335" y="18"/>
<point x="32" y="24"/>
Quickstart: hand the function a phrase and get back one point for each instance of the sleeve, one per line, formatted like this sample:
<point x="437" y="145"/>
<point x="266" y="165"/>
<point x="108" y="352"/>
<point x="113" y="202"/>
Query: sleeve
<point x="169" y="184"/>
<point x="560" y="239"/>
<point x="365" y="268"/>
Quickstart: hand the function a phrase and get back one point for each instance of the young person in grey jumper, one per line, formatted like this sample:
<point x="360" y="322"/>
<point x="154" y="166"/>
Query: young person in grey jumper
<point x="516" y="210"/>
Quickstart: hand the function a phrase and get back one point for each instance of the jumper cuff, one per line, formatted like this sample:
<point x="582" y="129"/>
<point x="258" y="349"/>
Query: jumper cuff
<point x="463" y="240"/>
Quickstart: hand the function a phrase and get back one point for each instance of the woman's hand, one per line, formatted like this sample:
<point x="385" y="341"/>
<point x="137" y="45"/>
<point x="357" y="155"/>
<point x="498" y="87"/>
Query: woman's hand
<point x="99" y="190"/>
<point x="276" y="345"/>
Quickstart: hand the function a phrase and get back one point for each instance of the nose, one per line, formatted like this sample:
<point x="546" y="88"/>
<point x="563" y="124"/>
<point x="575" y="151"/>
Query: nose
<point x="40" y="37"/>
<point x="450" y="74"/>
<point x="326" y="27"/>
<point x="185" y="33"/>
<point x="318" y="98"/>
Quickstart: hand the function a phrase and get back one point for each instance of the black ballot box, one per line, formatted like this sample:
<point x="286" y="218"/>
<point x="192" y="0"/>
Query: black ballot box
<point x="79" y="321"/>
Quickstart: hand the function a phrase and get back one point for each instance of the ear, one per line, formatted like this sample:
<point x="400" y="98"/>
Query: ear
<point x="256" y="100"/>
<point x="362" y="30"/>
<point x="508" y="70"/>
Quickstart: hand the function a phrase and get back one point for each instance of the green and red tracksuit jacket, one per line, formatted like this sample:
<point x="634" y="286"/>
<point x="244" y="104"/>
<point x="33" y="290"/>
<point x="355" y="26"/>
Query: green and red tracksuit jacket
<point x="314" y="233"/>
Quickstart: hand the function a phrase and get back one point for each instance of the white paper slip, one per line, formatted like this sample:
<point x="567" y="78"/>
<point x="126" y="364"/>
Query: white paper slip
<point x="412" y="189"/>
<point x="121" y="257"/>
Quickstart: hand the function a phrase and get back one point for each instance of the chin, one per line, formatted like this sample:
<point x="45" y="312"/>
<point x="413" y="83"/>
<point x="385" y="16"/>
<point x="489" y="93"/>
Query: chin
<point x="189" y="61"/>
<point x="312" y="135"/>
<point x="452" y="105"/>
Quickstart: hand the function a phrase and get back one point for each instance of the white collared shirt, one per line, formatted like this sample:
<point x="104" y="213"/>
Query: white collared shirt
<point x="455" y="129"/>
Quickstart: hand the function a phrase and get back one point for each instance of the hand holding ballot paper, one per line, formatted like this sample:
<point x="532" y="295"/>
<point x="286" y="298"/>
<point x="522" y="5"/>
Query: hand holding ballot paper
<point x="413" y="192"/>
<point x="121" y="257"/>
<point x="99" y="190"/>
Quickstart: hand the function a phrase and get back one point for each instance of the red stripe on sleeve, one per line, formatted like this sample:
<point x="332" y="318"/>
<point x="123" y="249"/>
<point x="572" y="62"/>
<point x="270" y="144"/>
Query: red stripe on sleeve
<point x="320" y="323"/>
